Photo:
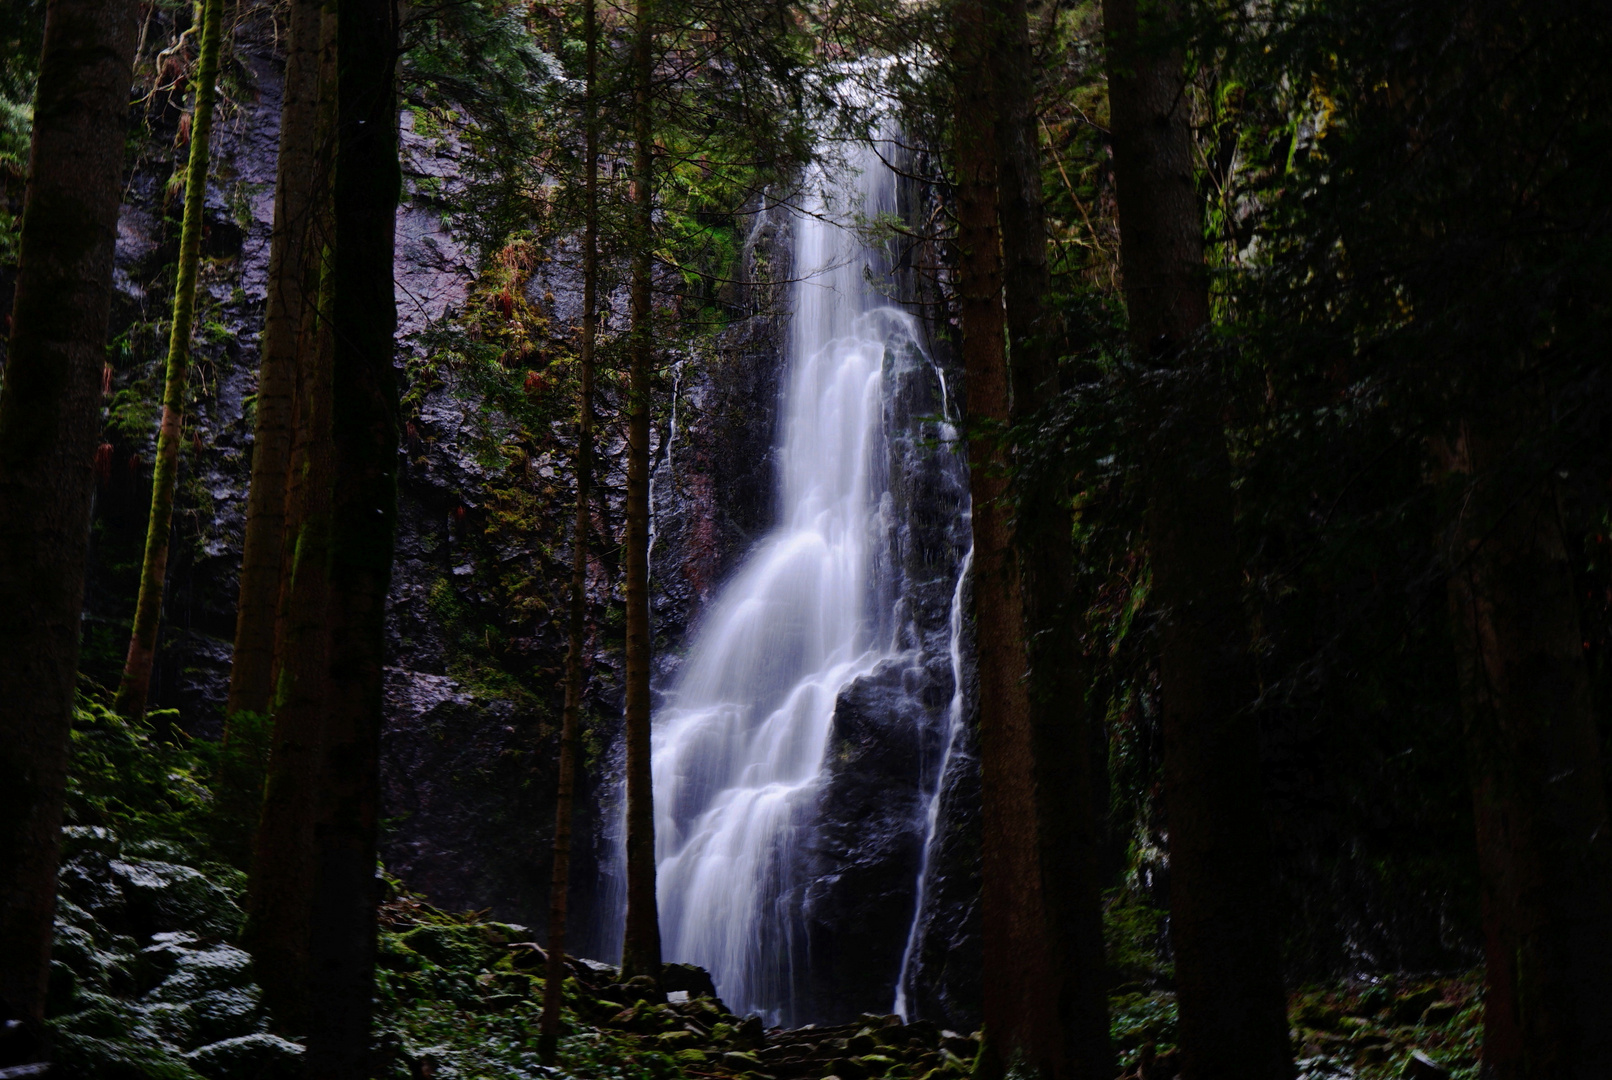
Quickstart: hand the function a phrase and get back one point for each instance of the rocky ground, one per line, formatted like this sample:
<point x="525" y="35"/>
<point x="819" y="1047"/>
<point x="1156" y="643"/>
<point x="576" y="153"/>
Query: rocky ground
<point x="149" y="980"/>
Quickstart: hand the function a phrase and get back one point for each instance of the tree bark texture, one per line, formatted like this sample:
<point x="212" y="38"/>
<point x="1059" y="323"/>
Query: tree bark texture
<point x="1233" y="1020"/>
<point x="49" y="419"/>
<point x="363" y="529"/>
<point x="292" y="284"/>
<point x="136" y="684"/>
<point x="1544" y="843"/>
<point x="575" y="684"/>
<point x="279" y="894"/>
<point x="640" y="953"/>
<point x="1021" y="1021"/>
<point x="1066" y="812"/>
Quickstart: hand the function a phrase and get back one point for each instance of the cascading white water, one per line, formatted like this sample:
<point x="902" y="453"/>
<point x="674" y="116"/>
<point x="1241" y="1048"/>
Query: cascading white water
<point x="739" y="748"/>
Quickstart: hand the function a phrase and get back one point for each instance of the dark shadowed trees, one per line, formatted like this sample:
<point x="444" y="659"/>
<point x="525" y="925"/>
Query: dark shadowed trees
<point x="364" y="391"/>
<point x="50" y="417"/>
<point x="641" y="941"/>
<point x="292" y="285"/>
<point x="1066" y="812"/>
<point x="1232" y="1007"/>
<point x="1021" y="1021"/>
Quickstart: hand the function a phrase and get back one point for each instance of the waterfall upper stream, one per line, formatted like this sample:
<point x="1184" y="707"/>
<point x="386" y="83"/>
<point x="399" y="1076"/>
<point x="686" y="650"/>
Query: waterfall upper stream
<point x="742" y="744"/>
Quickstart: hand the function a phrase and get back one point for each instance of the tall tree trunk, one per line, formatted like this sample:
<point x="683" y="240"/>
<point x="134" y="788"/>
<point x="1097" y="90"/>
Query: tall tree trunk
<point x="49" y="419"/>
<point x="251" y="684"/>
<point x="1544" y="844"/>
<point x="640" y="950"/>
<point x="560" y="882"/>
<point x="132" y="692"/>
<point x="364" y="525"/>
<point x="1021" y="1022"/>
<point x="1233" y="1020"/>
<point x="1066" y="811"/>
<point x="279" y="893"/>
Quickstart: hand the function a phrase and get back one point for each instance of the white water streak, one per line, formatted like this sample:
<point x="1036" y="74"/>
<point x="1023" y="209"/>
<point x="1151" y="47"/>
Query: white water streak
<point x="954" y="727"/>
<point x="738" y="752"/>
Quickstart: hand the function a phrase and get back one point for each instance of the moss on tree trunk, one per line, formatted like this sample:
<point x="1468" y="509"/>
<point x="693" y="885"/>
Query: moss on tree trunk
<point x="136" y="684"/>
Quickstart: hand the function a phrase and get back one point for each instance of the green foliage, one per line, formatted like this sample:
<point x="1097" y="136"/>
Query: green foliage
<point x="22" y="27"/>
<point x="1138" y="1021"/>
<point x="1134" y="940"/>
<point x="141" y="787"/>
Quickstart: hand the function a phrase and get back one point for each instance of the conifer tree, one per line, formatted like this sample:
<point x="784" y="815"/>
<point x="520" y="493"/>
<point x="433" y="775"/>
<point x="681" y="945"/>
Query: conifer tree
<point x="280" y="887"/>
<point x="49" y="418"/>
<point x="560" y="881"/>
<point x="1232" y="1006"/>
<point x="364" y="441"/>
<point x="292" y="282"/>
<point x="136" y="683"/>
<point x="1020" y="1019"/>
<point x="1071" y="932"/>
<point x="641" y="939"/>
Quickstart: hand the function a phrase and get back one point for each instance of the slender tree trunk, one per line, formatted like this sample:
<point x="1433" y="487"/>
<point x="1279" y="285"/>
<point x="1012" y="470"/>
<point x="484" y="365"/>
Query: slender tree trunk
<point x="251" y="684"/>
<point x="49" y="419"/>
<point x="364" y="525"/>
<point x="1066" y="811"/>
<point x="1021" y="1025"/>
<point x="1544" y="842"/>
<point x="641" y="942"/>
<point x="560" y="883"/>
<point x="1233" y="1021"/>
<point x="131" y="696"/>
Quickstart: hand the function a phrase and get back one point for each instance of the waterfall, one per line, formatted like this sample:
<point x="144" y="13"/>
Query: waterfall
<point x="954" y="730"/>
<point x="739" y="746"/>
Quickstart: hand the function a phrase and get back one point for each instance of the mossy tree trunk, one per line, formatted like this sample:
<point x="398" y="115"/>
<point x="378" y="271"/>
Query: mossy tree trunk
<point x="363" y="518"/>
<point x="575" y="684"/>
<point x="136" y="684"/>
<point x="1067" y="816"/>
<point x="640" y="951"/>
<point x="280" y="890"/>
<point x="1020" y="1018"/>
<point x="1233" y="1013"/>
<point x="292" y="285"/>
<point x="49" y="419"/>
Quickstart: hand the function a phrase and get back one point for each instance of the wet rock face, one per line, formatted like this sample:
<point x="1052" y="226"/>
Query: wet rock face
<point x="865" y="850"/>
<point x="715" y="467"/>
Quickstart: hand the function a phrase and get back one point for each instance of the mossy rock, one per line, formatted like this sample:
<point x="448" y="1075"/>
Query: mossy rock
<point x="862" y="1043"/>
<point x="95" y="967"/>
<point x="100" y="1018"/>
<point x="259" y="1056"/>
<point x="163" y="897"/>
<point x="86" y="1057"/>
<point x="1410" y="1006"/>
<point x="690" y="1057"/>
<point x="452" y="946"/>
<point x="672" y="1041"/>
<point x="876" y="1064"/>
<point x="216" y="982"/>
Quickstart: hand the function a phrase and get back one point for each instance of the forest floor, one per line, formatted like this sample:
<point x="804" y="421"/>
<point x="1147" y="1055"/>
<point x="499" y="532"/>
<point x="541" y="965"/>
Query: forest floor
<point x="148" y="978"/>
